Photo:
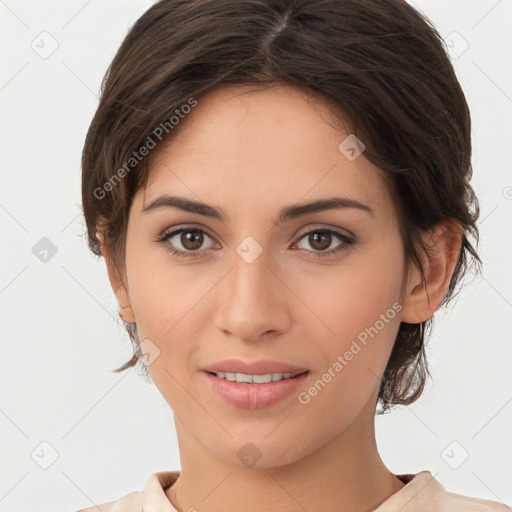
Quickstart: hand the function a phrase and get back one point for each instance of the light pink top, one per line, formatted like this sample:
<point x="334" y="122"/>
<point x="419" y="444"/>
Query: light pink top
<point x="422" y="493"/>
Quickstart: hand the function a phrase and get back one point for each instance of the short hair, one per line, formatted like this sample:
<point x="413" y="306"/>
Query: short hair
<point x="381" y="63"/>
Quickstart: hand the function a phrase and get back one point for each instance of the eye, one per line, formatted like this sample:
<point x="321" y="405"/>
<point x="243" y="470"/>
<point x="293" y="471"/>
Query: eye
<point x="321" y="239"/>
<point x="191" y="241"/>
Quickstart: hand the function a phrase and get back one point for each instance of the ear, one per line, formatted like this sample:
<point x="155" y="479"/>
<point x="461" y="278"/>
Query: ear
<point x="423" y="298"/>
<point x="118" y="286"/>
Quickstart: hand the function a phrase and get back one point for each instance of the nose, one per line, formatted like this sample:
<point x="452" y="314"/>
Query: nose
<point x="253" y="302"/>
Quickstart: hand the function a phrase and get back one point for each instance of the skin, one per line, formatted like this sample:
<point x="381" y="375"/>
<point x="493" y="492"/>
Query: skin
<point x="250" y="155"/>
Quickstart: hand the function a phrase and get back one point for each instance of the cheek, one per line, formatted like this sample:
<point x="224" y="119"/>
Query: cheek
<point x="355" y="296"/>
<point x="167" y="300"/>
<point x="359" y="309"/>
<point x="162" y="291"/>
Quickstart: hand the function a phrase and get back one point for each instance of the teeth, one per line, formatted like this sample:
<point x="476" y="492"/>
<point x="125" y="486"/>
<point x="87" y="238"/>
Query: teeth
<point x="254" y="379"/>
<point x="242" y="377"/>
<point x="262" y="379"/>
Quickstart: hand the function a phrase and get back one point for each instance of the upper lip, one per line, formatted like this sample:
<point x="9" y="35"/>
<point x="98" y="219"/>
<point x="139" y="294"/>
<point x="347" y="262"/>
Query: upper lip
<point x="261" y="367"/>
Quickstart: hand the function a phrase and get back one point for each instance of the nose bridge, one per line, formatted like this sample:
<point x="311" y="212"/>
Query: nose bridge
<point x="249" y="284"/>
<point x="250" y="276"/>
<point x="250" y="306"/>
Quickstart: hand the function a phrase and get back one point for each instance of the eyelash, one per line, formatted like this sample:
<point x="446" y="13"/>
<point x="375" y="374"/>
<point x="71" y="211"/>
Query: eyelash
<point x="346" y="242"/>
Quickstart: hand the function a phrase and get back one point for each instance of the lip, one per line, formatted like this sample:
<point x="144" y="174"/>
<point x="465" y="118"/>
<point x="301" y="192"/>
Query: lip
<point x="253" y="367"/>
<point x="254" y="396"/>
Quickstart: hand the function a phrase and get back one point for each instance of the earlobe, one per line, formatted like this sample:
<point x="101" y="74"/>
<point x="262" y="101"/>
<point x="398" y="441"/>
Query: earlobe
<point x="119" y="288"/>
<point x="126" y="313"/>
<point x="423" y="298"/>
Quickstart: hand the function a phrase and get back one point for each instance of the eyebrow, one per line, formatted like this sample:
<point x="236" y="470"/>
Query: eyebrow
<point x="286" y="214"/>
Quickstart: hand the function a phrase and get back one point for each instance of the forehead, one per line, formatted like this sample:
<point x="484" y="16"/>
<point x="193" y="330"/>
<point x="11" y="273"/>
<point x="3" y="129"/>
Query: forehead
<point x="249" y="146"/>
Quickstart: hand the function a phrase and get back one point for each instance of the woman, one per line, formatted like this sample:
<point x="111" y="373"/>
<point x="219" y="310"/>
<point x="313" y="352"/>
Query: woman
<point x="280" y="190"/>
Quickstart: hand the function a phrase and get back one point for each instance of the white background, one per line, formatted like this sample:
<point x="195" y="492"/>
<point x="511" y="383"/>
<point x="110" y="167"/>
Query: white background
<point x="60" y="332"/>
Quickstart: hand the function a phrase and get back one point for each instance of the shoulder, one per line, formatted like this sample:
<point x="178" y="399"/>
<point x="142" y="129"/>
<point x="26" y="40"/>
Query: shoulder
<point x="469" y="504"/>
<point x="152" y="496"/>
<point x="131" y="502"/>
<point x="423" y="493"/>
<point x="445" y="501"/>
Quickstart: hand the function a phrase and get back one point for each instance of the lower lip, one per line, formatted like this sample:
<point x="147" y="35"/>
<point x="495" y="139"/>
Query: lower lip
<point x="255" y="396"/>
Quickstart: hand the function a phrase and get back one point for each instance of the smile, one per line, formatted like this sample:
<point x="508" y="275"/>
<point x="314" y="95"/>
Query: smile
<point x="254" y="379"/>
<point x="255" y="391"/>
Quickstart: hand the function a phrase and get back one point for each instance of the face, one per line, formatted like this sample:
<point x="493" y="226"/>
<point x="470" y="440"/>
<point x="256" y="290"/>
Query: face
<point x="259" y="284"/>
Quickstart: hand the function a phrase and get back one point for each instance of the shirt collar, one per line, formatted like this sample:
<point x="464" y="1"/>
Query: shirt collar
<point x="422" y="492"/>
<point x="419" y="489"/>
<point x="154" y="498"/>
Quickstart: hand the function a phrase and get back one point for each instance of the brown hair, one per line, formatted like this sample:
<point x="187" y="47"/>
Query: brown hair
<point x="380" y="62"/>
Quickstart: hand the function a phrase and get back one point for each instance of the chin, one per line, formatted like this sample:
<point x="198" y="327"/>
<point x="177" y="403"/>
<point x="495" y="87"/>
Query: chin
<point x="261" y="453"/>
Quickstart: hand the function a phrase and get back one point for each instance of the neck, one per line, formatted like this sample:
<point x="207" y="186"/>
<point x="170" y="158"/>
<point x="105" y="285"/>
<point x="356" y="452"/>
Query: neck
<point x="344" y="474"/>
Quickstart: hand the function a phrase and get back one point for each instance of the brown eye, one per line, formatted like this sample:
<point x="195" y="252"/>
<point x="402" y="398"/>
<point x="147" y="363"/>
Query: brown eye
<point x="192" y="240"/>
<point x="321" y="241"/>
<point x="185" y="242"/>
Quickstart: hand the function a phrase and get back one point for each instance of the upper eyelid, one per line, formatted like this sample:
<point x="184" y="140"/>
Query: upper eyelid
<point x="175" y="230"/>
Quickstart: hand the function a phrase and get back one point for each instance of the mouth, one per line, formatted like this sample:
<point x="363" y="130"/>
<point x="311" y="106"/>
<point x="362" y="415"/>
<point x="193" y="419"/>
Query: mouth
<point x="244" y="378"/>
<point x="259" y="386"/>
<point x="261" y="368"/>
